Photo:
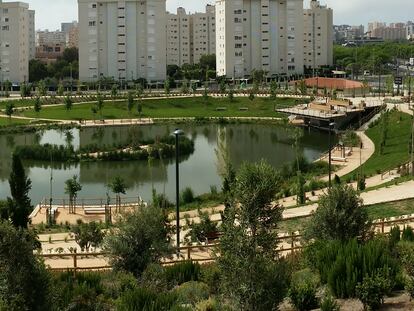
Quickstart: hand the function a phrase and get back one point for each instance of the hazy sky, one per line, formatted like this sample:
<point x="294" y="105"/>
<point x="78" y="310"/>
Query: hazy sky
<point x="50" y="13"/>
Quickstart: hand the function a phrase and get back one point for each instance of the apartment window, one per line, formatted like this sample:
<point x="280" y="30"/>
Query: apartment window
<point x="5" y="28"/>
<point x="92" y="23"/>
<point x="94" y="6"/>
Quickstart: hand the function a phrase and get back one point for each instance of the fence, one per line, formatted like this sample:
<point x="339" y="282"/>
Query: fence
<point x="203" y="253"/>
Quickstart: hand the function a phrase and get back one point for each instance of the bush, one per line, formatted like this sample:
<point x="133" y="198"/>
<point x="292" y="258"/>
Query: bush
<point x="146" y="300"/>
<point x="155" y="278"/>
<point x="187" y="196"/>
<point x="192" y="293"/>
<point x="329" y="304"/>
<point x="302" y="292"/>
<point x="342" y="265"/>
<point x="407" y="234"/>
<point x="395" y="236"/>
<point x="210" y="274"/>
<point x="182" y="273"/>
<point x="207" y="305"/>
<point x="372" y="290"/>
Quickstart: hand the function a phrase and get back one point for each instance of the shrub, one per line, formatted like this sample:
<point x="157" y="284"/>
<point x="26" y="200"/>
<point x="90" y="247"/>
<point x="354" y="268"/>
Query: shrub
<point x="187" y="196"/>
<point x="146" y="300"/>
<point x="182" y="272"/>
<point x="210" y="274"/>
<point x="154" y="277"/>
<point x="372" y="290"/>
<point x="342" y="265"/>
<point x="395" y="236"/>
<point x="302" y="292"/>
<point x="207" y="305"/>
<point x="407" y="234"/>
<point x="199" y="232"/>
<point x="328" y="303"/>
<point x="192" y="292"/>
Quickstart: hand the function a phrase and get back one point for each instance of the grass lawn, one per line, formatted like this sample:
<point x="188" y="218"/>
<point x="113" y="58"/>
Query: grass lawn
<point x="396" y="148"/>
<point x="12" y="122"/>
<point x="171" y="108"/>
<point x="17" y="103"/>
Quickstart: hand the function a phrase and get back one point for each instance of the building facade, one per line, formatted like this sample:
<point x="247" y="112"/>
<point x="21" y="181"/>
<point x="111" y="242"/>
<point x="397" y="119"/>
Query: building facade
<point x="203" y="40"/>
<point x="123" y="39"/>
<point x="16" y="40"/>
<point x="190" y="36"/>
<point x="32" y="35"/>
<point x="179" y="38"/>
<point x="318" y="36"/>
<point x="50" y="38"/>
<point x="259" y="35"/>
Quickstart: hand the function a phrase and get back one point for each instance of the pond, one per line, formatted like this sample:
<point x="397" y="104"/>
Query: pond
<point x="200" y="171"/>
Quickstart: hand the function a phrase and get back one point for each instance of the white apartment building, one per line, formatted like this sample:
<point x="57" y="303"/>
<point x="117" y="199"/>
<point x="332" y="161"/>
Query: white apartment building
<point x="123" y="39"/>
<point x="16" y="40"/>
<point x="50" y="38"/>
<point x="190" y="36"/>
<point x="203" y="33"/>
<point x="259" y="34"/>
<point x="318" y="36"/>
<point x="32" y="36"/>
<point x="179" y="38"/>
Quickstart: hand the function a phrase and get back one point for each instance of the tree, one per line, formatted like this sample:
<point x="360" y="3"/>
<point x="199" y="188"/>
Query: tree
<point x="303" y="88"/>
<point x="25" y="90"/>
<point x="208" y="61"/>
<point x="139" y="108"/>
<point x="130" y="102"/>
<point x="118" y="186"/>
<point x="72" y="187"/>
<point x="37" y="105"/>
<point x="25" y="283"/>
<point x="88" y="235"/>
<point x="167" y="87"/>
<point x="41" y="88"/>
<point x="141" y="238"/>
<point x="37" y="70"/>
<point x="68" y="103"/>
<point x="9" y="110"/>
<point x="94" y="111"/>
<point x="340" y="216"/>
<point x="252" y="276"/>
<point x="230" y="95"/>
<point x="20" y="205"/>
<point x="273" y="90"/>
<point x="61" y="89"/>
<point x="114" y="91"/>
<point x="100" y="104"/>
<point x="223" y="86"/>
<point x="251" y="95"/>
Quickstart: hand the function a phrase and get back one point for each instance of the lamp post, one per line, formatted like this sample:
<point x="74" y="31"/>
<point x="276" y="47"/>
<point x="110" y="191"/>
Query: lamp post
<point x="331" y="126"/>
<point x="177" y="134"/>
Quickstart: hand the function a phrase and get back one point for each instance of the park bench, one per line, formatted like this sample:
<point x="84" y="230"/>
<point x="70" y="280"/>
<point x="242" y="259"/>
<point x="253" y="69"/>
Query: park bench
<point x="338" y="159"/>
<point x="221" y="108"/>
<point x="212" y="236"/>
<point x="94" y="210"/>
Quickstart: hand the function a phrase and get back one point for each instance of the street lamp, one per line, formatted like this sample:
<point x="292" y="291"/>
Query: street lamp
<point x="177" y="134"/>
<point x="331" y="126"/>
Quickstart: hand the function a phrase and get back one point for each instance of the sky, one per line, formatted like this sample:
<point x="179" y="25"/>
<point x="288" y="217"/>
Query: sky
<point x="50" y="13"/>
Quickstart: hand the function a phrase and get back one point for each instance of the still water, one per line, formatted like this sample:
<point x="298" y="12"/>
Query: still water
<point x="243" y="142"/>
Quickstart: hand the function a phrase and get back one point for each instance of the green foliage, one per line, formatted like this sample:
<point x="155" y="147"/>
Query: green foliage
<point x="405" y="251"/>
<point x="230" y="95"/>
<point x="340" y="216"/>
<point x="210" y="274"/>
<point x="9" y="109"/>
<point x="130" y="101"/>
<point x="72" y="187"/>
<point x="37" y="105"/>
<point x="19" y="205"/>
<point x="200" y="231"/>
<point x="68" y="103"/>
<point x="251" y="95"/>
<point x="160" y="200"/>
<point x="361" y="183"/>
<point x="46" y="152"/>
<point x="182" y="272"/>
<point x="407" y="234"/>
<point x="328" y="303"/>
<point x="342" y="265"/>
<point x="300" y="189"/>
<point x="187" y="196"/>
<point x="25" y="90"/>
<point x="395" y="236"/>
<point x="25" y="283"/>
<point x="252" y="277"/>
<point x="88" y="235"/>
<point x="192" y="292"/>
<point x="118" y="185"/>
<point x="302" y="292"/>
<point x="146" y="300"/>
<point x="372" y="290"/>
<point x="141" y="238"/>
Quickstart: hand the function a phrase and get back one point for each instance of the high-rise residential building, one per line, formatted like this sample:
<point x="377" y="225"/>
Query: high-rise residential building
<point x="410" y="30"/>
<point x="122" y="39"/>
<point x="32" y="35"/>
<point x="190" y="36"/>
<point x="72" y="33"/>
<point x="178" y="38"/>
<point x="259" y="34"/>
<point x="66" y="27"/>
<point x="375" y="25"/>
<point x="16" y="39"/>
<point x="318" y="36"/>
<point x="50" y="38"/>
<point x="203" y="40"/>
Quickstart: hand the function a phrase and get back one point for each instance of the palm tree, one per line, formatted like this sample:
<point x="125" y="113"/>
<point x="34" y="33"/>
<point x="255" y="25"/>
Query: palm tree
<point x="118" y="187"/>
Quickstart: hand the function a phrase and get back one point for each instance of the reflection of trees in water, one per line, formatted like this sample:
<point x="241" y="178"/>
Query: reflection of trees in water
<point x="10" y="141"/>
<point x="69" y="137"/>
<point x="98" y="134"/>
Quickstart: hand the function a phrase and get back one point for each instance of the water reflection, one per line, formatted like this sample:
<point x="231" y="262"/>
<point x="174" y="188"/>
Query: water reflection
<point x="247" y="142"/>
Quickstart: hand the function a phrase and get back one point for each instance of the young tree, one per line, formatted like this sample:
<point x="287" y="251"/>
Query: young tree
<point x="37" y="105"/>
<point x="223" y="86"/>
<point x="230" y="95"/>
<point x="88" y="235"/>
<point x="20" y="205"/>
<point x="118" y="186"/>
<point x="251" y="95"/>
<point x="139" y="109"/>
<point x="130" y="102"/>
<point x="194" y="88"/>
<point x="340" y="216"/>
<point x="141" y="238"/>
<point x="273" y="90"/>
<point x="252" y="275"/>
<point x="100" y="104"/>
<point x="139" y="90"/>
<point x="167" y="87"/>
<point x="61" y="89"/>
<point x="68" y="103"/>
<point x="303" y="88"/>
<point x="114" y="91"/>
<point x="41" y="88"/>
<point x="25" y="283"/>
<point x="9" y="110"/>
<point x="72" y="187"/>
<point x="94" y="111"/>
<point x="25" y="90"/>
